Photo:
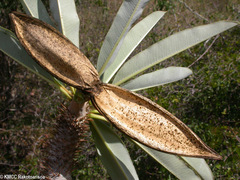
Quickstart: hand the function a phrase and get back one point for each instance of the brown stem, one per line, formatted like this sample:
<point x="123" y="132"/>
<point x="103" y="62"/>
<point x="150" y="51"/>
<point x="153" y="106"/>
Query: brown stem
<point x="67" y="137"/>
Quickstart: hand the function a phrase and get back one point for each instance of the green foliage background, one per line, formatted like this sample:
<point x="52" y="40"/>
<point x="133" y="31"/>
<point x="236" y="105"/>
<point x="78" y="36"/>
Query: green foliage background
<point x="208" y="101"/>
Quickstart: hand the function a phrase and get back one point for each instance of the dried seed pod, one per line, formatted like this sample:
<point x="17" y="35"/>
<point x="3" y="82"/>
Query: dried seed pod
<point x="55" y="53"/>
<point x="148" y="123"/>
<point x="135" y="115"/>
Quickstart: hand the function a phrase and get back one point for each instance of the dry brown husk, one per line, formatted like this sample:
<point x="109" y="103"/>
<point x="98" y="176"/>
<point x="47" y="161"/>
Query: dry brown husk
<point x="55" y="52"/>
<point x="149" y="123"/>
<point x="135" y="115"/>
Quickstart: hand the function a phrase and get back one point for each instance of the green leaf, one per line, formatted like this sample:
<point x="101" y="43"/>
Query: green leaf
<point x="128" y="13"/>
<point x="65" y="14"/>
<point x="168" y="47"/>
<point x="130" y="42"/>
<point x="36" y="9"/>
<point x="156" y="78"/>
<point x="10" y="45"/>
<point x="200" y="166"/>
<point x="186" y="168"/>
<point x="112" y="152"/>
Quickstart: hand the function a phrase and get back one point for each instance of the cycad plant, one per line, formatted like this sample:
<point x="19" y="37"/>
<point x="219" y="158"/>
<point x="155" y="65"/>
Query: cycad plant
<point x="54" y="55"/>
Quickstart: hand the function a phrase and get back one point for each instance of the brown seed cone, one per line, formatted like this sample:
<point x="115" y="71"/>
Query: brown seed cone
<point x="61" y="148"/>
